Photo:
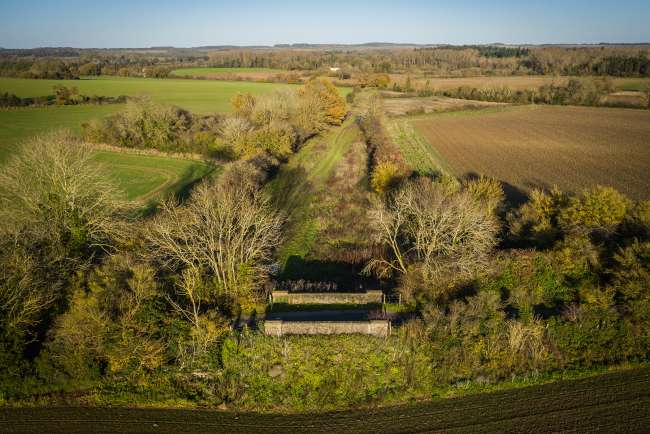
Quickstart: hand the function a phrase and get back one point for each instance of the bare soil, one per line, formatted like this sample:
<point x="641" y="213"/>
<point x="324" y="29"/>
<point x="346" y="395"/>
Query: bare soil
<point x="615" y="402"/>
<point x="571" y="147"/>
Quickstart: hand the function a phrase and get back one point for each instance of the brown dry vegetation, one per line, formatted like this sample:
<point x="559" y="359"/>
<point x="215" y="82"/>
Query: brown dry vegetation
<point x="572" y="147"/>
<point x="406" y="106"/>
<point x="342" y="211"/>
<point x="626" y="98"/>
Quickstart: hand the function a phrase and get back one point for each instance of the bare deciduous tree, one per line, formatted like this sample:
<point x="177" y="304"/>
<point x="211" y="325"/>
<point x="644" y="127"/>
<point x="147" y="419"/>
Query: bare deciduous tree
<point x="207" y="328"/>
<point x="52" y="190"/>
<point x="22" y="299"/>
<point x="445" y="232"/>
<point x="229" y="231"/>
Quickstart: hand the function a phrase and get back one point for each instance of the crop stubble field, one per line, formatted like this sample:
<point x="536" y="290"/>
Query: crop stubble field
<point x="571" y="147"/>
<point x="615" y="402"/>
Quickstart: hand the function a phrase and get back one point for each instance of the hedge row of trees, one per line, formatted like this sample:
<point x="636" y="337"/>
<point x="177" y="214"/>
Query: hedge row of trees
<point x="279" y="122"/>
<point x="62" y="96"/>
<point x="78" y="65"/>
<point x="144" y="124"/>
<point x="276" y="123"/>
<point x="587" y="91"/>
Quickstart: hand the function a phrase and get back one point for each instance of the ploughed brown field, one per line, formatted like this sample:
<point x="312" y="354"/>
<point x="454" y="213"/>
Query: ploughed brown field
<point x="571" y="147"/>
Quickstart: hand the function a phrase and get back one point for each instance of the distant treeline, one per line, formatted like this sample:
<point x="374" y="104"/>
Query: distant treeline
<point x="629" y="61"/>
<point x="494" y="50"/>
<point x="57" y="69"/>
<point x="495" y="60"/>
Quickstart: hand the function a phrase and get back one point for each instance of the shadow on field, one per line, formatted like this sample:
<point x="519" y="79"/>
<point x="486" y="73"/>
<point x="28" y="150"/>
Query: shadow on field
<point x="186" y="182"/>
<point x="182" y="188"/>
<point x="289" y="188"/>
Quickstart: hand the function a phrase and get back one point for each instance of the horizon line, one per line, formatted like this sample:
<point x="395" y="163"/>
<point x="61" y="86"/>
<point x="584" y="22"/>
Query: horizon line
<point x="333" y="44"/>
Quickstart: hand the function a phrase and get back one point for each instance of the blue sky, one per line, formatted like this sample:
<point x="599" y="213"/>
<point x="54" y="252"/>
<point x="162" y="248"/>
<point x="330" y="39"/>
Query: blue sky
<point x="186" y="23"/>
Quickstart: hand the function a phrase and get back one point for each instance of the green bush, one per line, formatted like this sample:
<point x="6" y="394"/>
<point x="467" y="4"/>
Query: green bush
<point x="277" y="139"/>
<point x="147" y="125"/>
<point x="602" y="208"/>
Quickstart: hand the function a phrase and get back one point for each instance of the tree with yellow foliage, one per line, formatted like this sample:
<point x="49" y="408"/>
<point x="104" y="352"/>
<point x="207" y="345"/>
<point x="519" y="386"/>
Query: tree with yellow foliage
<point x="602" y="208"/>
<point x="385" y="177"/>
<point x="328" y="97"/>
<point x="242" y="104"/>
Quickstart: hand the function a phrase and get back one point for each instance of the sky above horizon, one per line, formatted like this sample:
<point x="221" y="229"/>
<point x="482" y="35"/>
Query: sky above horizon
<point x="191" y="23"/>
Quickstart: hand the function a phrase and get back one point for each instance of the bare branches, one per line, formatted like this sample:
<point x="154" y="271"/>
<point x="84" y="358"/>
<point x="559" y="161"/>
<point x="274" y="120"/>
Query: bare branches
<point x="228" y="231"/>
<point x="444" y="232"/>
<point x="53" y="190"/>
<point x="57" y="211"/>
<point x="22" y="298"/>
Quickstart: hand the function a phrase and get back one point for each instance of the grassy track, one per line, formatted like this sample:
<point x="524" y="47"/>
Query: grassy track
<point x="300" y="179"/>
<point x="616" y="402"/>
<point x="199" y="96"/>
<point x="571" y="147"/>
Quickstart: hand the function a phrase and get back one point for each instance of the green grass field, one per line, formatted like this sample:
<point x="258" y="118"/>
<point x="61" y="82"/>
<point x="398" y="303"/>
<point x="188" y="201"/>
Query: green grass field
<point x="198" y="72"/>
<point x="418" y="152"/>
<point x="615" y="402"/>
<point x="632" y="84"/>
<point x="19" y="124"/>
<point x="145" y="177"/>
<point x="199" y="96"/>
<point x="141" y="177"/>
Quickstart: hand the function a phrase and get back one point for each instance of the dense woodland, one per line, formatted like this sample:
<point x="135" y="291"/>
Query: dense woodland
<point x="625" y="61"/>
<point x="102" y="302"/>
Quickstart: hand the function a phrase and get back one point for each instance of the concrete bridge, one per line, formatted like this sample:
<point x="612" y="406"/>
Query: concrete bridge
<point x="326" y="322"/>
